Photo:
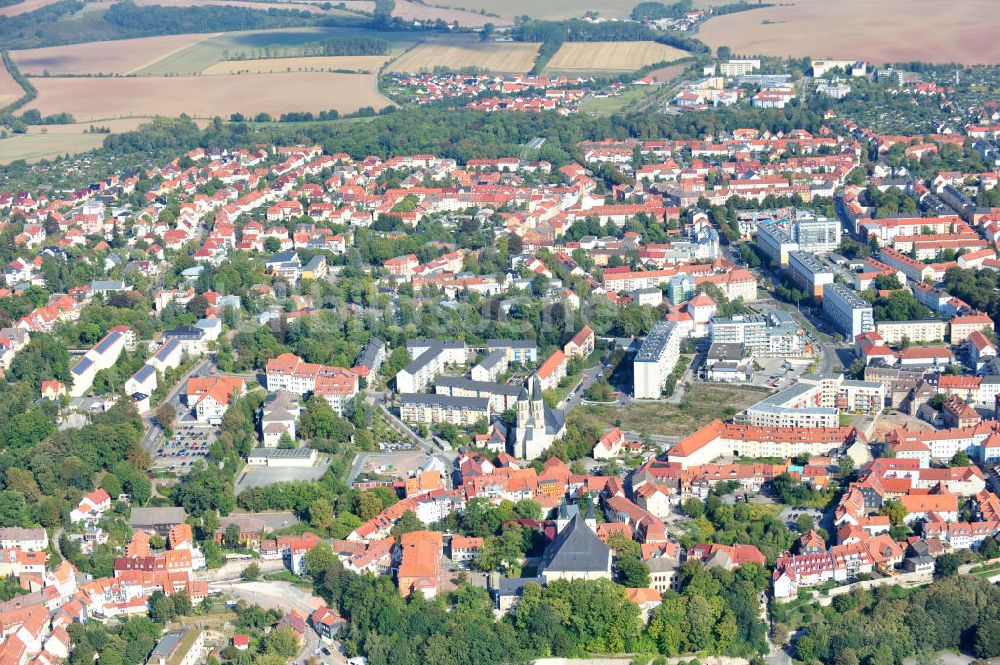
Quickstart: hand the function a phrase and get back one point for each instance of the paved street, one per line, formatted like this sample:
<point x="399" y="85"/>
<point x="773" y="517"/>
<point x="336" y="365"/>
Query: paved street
<point x="588" y="377"/>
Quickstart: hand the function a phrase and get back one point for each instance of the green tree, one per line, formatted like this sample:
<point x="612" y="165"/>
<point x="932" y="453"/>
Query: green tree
<point x="281" y="642"/>
<point x="946" y="565"/>
<point x="895" y="510"/>
<point x="407" y="522"/>
<point x="694" y="508"/>
<point x="961" y="458"/>
<point x="632" y="572"/>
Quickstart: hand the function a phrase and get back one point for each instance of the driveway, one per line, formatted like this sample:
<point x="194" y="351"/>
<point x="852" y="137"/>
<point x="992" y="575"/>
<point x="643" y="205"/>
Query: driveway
<point x="286" y="597"/>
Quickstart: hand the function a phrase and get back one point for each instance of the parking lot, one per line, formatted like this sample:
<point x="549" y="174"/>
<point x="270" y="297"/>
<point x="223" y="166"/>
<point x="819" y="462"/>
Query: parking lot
<point x="190" y="443"/>
<point x="791" y="515"/>
<point x="778" y="373"/>
<point x="261" y="476"/>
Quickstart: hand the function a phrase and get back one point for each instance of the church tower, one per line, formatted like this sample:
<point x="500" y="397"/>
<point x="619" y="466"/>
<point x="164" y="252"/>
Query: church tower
<point x="537" y="426"/>
<point x="537" y="403"/>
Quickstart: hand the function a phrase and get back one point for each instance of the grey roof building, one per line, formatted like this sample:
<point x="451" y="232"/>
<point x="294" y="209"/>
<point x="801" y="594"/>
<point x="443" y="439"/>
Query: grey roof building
<point x="508" y="591"/>
<point x="157" y="519"/>
<point x="576" y="553"/>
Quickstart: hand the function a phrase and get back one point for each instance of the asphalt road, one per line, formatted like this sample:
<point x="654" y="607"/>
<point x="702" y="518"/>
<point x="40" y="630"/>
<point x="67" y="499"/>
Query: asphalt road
<point x="588" y="377"/>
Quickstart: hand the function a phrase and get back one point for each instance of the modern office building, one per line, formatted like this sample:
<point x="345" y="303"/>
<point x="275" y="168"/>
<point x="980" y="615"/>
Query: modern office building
<point x="818" y="234"/>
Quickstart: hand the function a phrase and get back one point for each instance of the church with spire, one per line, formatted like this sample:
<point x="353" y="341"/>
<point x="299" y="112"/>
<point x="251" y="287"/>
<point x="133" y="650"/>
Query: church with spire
<point x="537" y="425"/>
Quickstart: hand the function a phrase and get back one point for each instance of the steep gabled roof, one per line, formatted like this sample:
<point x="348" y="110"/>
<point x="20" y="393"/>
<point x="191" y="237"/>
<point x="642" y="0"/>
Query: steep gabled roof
<point x="576" y="549"/>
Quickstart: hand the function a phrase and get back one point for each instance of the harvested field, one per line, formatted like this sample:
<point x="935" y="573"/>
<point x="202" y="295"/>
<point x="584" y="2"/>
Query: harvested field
<point x="507" y="57"/>
<point x="217" y="48"/>
<point x="668" y="73"/>
<point x="552" y="9"/>
<point x="90" y="99"/>
<point x="247" y="4"/>
<point x="115" y="57"/>
<point x="886" y="31"/>
<point x="24" y="7"/>
<point x="611" y="56"/>
<point x="355" y="63"/>
<point x="415" y="11"/>
<point x="34" y="147"/>
<point x="10" y="91"/>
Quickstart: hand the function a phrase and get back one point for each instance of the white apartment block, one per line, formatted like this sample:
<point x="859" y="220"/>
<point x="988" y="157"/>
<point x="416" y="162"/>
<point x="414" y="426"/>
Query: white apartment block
<point x="655" y="360"/>
<point x="851" y="313"/>
<point x="918" y="331"/>
<point x="104" y="355"/>
<point x="739" y="67"/>
<point x="433" y="408"/>
<point x="775" y="243"/>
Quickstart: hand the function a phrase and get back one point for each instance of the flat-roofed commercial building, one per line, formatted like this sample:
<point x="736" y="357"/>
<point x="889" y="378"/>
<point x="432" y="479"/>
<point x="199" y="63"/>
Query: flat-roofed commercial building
<point x="284" y="457"/>
<point x="818" y="235"/>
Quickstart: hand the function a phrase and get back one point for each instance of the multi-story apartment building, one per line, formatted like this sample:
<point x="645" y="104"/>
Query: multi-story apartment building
<point x="291" y="373"/>
<point x="655" y="360"/>
<point x="104" y="355"/>
<point x="811" y="274"/>
<point x="851" y="313"/>
<point x="501" y="395"/>
<point x="775" y="243"/>
<point x="429" y="408"/>
<point x="918" y="331"/>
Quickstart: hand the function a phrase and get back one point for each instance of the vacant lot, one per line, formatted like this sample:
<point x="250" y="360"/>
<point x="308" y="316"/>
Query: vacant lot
<point x="702" y="403"/>
<point x="415" y="11"/>
<point x="354" y="63"/>
<point x="508" y="57"/>
<point x="611" y="56"/>
<point x="206" y="96"/>
<point x="217" y="48"/>
<point x="116" y="57"/>
<point x="24" y="7"/>
<point x="880" y="32"/>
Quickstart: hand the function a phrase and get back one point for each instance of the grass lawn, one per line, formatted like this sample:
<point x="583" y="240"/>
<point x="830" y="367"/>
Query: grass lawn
<point x="287" y="576"/>
<point x="609" y="105"/>
<point x="985" y="571"/>
<point x="702" y="403"/>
